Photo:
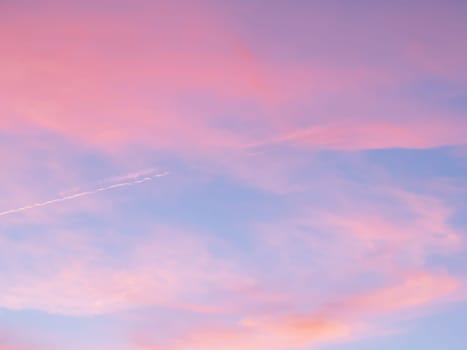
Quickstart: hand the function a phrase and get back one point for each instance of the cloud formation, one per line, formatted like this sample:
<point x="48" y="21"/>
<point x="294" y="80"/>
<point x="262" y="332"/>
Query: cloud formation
<point x="309" y="143"/>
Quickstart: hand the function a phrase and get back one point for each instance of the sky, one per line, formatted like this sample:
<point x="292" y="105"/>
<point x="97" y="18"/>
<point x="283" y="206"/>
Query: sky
<point x="233" y="175"/>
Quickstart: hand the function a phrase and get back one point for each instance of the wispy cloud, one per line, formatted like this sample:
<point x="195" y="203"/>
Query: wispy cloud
<point x="313" y="148"/>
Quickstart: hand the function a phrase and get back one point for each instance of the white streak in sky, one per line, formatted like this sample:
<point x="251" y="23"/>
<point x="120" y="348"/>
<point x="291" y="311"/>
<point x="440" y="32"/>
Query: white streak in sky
<point x="110" y="180"/>
<point x="85" y="193"/>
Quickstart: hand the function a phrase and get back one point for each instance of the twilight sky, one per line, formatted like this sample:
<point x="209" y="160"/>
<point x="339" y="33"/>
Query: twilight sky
<point x="233" y="175"/>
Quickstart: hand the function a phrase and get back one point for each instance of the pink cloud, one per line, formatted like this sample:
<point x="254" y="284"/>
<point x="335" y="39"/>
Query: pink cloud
<point x="256" y="334"/>
<point x="372" y="135"/>
<point x="174" y="270"/>
<point x="338" y="275"/>
<point x="192" y="84"/>
<point x="415" y="290"/>
<point x="10" y="340"/>
<point x="119" y="81"/>
<point x="344" y="320"/>
<point x="344" y="260"/>
<point x="164" y="268"/>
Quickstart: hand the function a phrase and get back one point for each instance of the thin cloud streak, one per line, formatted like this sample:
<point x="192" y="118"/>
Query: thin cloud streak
<point x="84" y="193"/>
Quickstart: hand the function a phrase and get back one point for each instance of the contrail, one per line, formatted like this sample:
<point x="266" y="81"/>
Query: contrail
<point x="109" y="180"/>
<point x="83" y="194"/>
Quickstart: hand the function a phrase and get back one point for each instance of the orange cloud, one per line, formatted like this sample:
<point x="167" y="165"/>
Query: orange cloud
<point x="261" y="335"/>
<point x="341" y="320"/>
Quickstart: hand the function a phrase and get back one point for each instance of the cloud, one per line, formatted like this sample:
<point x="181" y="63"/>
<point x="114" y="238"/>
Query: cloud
<point x="372" y="135"/>
<point x="330" y="277"/>
<point x="202" y="85"/>
<point x="342" y="320"/>
<point x="267" y="299"/>
<point x="12" y="341"/>
<point x="415" y="290"/>
<point x="106" y="273"/>
<point x="249" y="103"/>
